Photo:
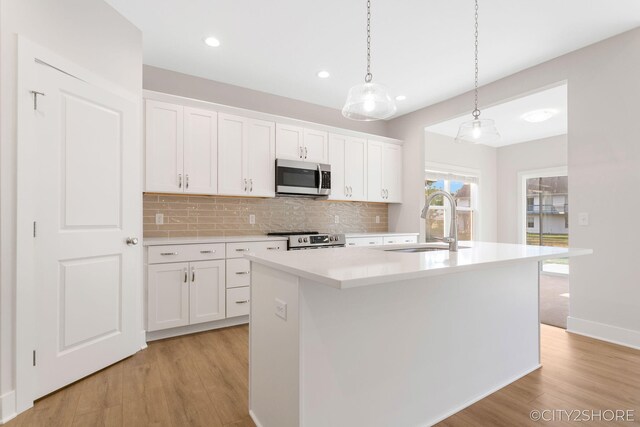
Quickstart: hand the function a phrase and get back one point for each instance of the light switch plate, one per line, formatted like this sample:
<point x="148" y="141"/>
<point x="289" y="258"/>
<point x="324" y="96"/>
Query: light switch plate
<point x="336" y="219"/>
<point x="281" y="309"/>
<point x="583" y="218"/>
<point x="377" y="219"/>
<point x="159" y="219"/>
<point x="252" y="219"/>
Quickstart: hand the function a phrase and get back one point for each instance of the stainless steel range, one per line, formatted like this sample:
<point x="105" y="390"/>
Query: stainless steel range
<point x="300" y="240"/>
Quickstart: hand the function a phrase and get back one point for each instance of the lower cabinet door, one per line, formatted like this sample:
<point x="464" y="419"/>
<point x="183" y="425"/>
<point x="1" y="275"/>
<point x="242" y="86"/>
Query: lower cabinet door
<point x="168" y="296"/>
<point x="207" y="291"/>
<point x="238" y="301"/>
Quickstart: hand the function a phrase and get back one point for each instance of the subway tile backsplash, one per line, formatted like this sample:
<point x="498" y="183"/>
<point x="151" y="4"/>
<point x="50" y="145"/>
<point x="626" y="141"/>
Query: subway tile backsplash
<point x="190" y="216"/>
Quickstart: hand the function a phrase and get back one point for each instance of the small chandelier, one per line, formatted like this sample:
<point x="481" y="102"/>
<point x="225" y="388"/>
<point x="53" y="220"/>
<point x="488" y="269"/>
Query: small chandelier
<point x="368" y="101"/>
<point x="477" y="131"/>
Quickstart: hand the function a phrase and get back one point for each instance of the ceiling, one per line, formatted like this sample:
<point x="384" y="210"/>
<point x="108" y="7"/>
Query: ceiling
<point x="421" y="49"/>
<point x="508" y="117"/>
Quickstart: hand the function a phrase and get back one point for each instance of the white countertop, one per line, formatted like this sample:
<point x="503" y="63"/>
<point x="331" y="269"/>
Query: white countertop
<point x="349" y="267"/>
<point x="383" y="234"/>
<point x="158" y="241"/>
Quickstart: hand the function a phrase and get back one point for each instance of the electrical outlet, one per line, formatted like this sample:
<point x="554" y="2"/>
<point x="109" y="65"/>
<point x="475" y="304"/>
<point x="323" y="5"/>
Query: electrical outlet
<point x="583" y="218"/>
<point x="377" y="219"/>
<point x="336" y="219"/>
<point x="281" y="309"/>
<point x="252" y="219"/>
<point x="159" y="219"/>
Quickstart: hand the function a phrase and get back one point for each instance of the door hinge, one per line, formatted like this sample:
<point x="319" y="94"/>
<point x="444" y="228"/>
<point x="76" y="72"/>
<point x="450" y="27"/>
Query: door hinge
<point x="34" y="358"/>
<point x="34" y="229"/>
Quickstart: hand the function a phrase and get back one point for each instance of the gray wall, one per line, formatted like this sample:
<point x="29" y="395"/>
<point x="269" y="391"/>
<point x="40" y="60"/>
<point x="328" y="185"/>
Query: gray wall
<point x="94" y="36"/>
<point x="603" y="160"/>
<point x="533" y="155"/>
<point x="161" y="80"/>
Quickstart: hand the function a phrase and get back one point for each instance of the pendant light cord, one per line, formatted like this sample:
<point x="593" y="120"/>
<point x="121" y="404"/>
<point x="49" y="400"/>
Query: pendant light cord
<point x="476" y="111"/>
<point x="369" y="76"/>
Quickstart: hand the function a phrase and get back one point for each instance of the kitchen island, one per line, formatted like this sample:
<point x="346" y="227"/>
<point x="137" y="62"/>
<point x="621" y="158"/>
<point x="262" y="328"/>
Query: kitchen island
<point x="379" y="336"/>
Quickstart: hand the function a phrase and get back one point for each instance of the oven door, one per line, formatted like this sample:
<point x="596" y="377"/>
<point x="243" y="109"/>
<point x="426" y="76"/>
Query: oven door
<point x="302" y="178"/>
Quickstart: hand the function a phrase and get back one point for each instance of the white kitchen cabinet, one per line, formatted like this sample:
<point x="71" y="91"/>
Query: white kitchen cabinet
<point x="168" y="295"/>
<point x="399" y="239"/>
<point x="246" y="156"/>
<point x="364" y="241"/>
<point x="207" y="291"/>
<point x="348" y="159"/>
<point x="384" y="172"/>
<point x="297" y="143"/>
<point x="181" y="149"/>
<point x="238" y="303"/>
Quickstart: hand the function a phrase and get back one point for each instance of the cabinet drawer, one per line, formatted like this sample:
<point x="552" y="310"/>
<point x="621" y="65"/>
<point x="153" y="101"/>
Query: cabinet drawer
<point x="364" y="241"/>
<point x="395" y="240"/>
<point x="181" y="253"/>
<point x="238" y="301"/>
<point x="237" y="250"/>
<point x="238" y="272"/>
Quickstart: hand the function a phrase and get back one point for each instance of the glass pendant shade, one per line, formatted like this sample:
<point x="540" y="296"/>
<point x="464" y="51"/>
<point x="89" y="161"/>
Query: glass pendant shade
<point x="367" y="102"/>
<point x="478" y="131"/>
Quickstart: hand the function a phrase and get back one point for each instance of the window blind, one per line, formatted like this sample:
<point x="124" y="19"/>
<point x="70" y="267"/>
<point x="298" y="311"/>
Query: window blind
<point x="436" y="176"/>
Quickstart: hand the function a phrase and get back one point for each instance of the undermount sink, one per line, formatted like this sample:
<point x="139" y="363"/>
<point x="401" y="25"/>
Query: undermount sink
<point x="422" y="249"/>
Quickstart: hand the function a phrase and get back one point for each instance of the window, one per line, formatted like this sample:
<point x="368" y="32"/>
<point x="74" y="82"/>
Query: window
<point x="530" y="222"/>
<point x="464" y="191"/>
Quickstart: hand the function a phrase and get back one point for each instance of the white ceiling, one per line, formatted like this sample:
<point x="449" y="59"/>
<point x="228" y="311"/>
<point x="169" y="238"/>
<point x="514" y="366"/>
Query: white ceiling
<point x="508" y="117"/>
<point x="421" y="49"/>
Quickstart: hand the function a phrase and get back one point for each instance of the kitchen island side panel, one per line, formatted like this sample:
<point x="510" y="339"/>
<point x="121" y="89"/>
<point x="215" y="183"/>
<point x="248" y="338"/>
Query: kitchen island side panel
<point x="411" y="353"/>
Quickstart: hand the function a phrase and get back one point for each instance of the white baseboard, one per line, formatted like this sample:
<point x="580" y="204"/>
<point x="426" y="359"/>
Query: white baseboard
<point x="200" y="327"/>
<point x="604" y="332"/>
<point x="254" y="418"/>
<point x="7" y="407"/>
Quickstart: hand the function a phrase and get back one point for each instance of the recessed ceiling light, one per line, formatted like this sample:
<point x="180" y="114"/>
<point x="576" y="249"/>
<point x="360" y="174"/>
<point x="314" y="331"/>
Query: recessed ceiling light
<point x="323" y="74"/>
<point x="400" y="98"/>
<point x="212" y="41"/>
<point x="538" y="116"/>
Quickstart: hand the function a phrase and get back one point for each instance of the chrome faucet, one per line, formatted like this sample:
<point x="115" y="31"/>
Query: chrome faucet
<point x="452" y="240"/>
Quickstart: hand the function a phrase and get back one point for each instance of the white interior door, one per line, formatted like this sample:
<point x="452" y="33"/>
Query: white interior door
<point x="88" y="196"/>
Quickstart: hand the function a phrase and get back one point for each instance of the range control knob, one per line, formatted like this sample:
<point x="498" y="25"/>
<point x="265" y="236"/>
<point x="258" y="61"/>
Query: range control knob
<point x="299" y="239"/>
<point x="331" y="238"/>
<point x="306" y="240"/>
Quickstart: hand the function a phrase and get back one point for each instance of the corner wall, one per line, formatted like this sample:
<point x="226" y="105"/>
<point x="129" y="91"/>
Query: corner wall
<point x="94" y="36"/>
<point x="603" y="163"/>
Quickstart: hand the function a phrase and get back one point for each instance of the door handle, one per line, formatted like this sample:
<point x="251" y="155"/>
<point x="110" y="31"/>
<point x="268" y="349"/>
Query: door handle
<point x="305" y="152"/>
<point x="242" y="250"/>
<point x="251" y="185"/>
<point x="193" y="275"/>
<point x="186" y="182"/>
<point x="185" y="276"/>
<point x="319" y="175"/>
<point x="208" y="252"/>
<point x="242" y="302"/>
<point x="300" y="152"/>
<point x="132" y="241"/>
<point x="168" y="253"/>
<point x="179" y="180"/>
<point x="243" y="272"/>
<point x="273" y="248"/>
<point x="245" y="185"/>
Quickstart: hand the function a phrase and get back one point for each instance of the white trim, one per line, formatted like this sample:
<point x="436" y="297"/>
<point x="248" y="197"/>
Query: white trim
<point x="604" y="332"/>
<point x="200" y="327"/>
<point x="207" y="105"/>
<point x="480" y="397"/>
<point x="25" y="327"/>
<point x="254" y="418"/>
<point x="7" y="407"/>
<point x="522" y="190"/>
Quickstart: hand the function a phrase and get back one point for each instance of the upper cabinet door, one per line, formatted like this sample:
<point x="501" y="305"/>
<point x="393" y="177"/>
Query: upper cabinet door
<point x="356" y="168"/>
<point x="231" y="135"/>
<point x="339" y="189"/>
<point x="164" y="141"/>
<point x="200" y="151"/>
<point x="316" y="146"/>
<point x="260" y="158"/>
<point x="392" y="172"/>
<point x="374" y="171"/>
<point x="208" y="291"/>
<point x="289" y="142"/>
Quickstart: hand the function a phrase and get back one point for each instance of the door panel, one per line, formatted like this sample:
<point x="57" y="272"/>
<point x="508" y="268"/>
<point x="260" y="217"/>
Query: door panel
<point x="200" y="151"/>
<point x="289" y="142"/>
<point x="260" y="154"/>
<point x="316" y="146"/>
<point x="374" y="171"/>
<point x="356" y="168"/>
<point x="231" y="135"/>
<point x="88" y="202"/>
<point x="207" y="293"/>
<point x="164" y="147"/>
<point x="392" y="172"/>
<point x="168" y="295"/>
<point x="337" y="162"/>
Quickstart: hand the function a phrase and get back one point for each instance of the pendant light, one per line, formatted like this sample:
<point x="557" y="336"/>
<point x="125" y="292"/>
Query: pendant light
<point x="477" y="131"/>
<point x="368" y="101"/>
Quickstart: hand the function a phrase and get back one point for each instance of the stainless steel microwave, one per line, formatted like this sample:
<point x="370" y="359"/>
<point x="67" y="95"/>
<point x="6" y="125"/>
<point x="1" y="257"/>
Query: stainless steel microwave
<point x="296" y="178"/>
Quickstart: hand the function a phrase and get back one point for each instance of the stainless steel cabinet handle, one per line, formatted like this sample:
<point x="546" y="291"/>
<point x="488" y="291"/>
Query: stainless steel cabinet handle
<point x="193" y="274"/>
<point x="208" y="252"/>
<point x="186" y="277"/>
<point x="243" y="272"/>
<point x="251" y="185"/>
<point x="242" y="302"/>
<point x="346" y="190"/>
<point x="132" y="241"/>
<point x="350" y="191"/>
<point x="352" y="244"/>
<point x="273" y="248"/>
<point x="186" y="185"/>
<point x="179" y="180"/>
<point x="168" y="253"/>
<point x="305" y="152"/>
<point x="242" y="250"/>
<point x="245" y="185"/>
<point x="300" y="152"/>
<point x="372" y="243"/>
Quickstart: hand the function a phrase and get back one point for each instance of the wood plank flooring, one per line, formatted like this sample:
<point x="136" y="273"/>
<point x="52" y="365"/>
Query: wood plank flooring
<point x="202" y="380"/>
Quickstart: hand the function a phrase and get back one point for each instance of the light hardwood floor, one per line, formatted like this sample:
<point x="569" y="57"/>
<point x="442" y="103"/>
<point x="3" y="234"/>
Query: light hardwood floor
<point x="201" y="380"/>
